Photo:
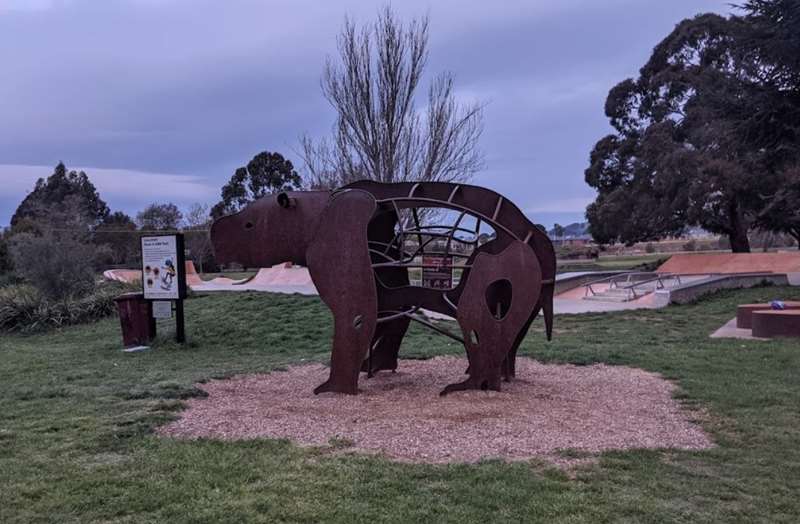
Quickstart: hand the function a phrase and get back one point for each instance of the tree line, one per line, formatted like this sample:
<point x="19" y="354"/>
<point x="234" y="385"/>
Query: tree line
<point x="707" y="135"/>
<point x="66" y="212"/>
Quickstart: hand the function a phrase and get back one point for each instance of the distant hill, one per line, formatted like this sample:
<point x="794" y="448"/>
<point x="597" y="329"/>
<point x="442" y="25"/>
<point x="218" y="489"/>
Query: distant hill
<point x="574" y="230"/>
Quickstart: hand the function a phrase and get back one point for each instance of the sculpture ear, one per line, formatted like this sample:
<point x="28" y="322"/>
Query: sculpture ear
<point x="285" y="201"/>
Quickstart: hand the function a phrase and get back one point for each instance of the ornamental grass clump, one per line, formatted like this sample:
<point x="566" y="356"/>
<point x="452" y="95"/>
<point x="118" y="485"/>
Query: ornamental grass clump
<point x="24" y="308"/>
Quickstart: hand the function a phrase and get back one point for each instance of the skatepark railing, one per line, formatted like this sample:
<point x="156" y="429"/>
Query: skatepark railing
<point x="630" y="281"/>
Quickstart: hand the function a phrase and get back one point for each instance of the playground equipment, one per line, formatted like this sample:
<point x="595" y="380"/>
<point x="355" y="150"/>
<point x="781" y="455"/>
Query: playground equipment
<point x="360" y="243"/>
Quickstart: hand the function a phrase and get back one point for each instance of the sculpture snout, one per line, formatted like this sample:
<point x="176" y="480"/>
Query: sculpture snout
<point x="229" y="237"/>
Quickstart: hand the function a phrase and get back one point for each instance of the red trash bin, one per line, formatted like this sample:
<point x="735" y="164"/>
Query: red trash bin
<point x="136" y="318"/>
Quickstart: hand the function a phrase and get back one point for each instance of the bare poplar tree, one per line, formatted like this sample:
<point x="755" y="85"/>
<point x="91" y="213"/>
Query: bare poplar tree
<point x="379" y="133"/>
<point x="196" y="224"/>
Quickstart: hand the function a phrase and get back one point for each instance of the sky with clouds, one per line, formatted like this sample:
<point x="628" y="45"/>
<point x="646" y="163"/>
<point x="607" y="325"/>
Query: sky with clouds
<point x="160" y="100"/>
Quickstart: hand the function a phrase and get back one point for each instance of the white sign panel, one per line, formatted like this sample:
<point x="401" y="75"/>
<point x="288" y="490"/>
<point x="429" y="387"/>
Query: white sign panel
<point x="162" y="309"/>
<point x="160" y="268"/>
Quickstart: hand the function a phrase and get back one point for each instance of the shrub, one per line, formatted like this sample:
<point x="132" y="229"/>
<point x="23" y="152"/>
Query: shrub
<point x="59" y="267"/>
<point x="649" y="248"/>
<point x="576" y="252"/>
<point x="24" y="308"/>
<point x="5" y="254"/>
<point x="651" y="266"/>
<point x="691" y="245"/>
<point x="9" y="279"/>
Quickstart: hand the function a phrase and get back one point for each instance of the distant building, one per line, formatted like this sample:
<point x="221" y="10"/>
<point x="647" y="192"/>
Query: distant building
<point x="576" y="234"/>
<point x="579" y="240"/>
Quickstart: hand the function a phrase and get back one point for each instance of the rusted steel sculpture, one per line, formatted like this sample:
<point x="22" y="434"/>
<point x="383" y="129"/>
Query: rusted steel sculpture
<point x="359" y="243"/>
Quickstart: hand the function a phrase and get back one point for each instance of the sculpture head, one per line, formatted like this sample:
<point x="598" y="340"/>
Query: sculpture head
<point x="273" y="229"/>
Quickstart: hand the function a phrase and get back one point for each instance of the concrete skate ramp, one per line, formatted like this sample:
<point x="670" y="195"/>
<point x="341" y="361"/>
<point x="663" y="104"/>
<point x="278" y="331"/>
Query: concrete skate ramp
<point x="731" y="263"/>
<point x="193" y="278"/>
<point x="282" y="278"/>
<point x="127" y="276"/>
<point x="225" y="281"/>
<point x="282" y="274"/>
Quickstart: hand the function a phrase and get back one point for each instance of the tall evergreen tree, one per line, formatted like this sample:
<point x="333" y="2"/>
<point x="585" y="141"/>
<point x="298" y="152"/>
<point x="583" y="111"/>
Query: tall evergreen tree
<point x="266" y="173"/>
<point x="49" y="196"/>
<point x="706" y="133"/>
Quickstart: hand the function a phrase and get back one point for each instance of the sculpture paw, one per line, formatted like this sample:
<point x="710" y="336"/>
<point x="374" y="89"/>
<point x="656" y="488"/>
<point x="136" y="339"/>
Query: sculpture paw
<point x="379" y="364"/>
<point x="492" y="384"/>
<point x="331" y="387"/>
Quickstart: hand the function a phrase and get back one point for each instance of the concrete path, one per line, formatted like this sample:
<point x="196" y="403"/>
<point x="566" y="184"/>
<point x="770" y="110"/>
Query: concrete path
<point x="573" y="306"/>
<point x="729" y="330"/>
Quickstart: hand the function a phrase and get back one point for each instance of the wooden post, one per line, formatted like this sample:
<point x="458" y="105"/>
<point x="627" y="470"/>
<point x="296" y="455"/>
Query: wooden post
<point x="180" y="327"/>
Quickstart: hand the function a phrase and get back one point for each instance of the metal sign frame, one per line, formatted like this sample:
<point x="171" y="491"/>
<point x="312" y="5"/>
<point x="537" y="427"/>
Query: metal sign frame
<point x="180" y="276"/>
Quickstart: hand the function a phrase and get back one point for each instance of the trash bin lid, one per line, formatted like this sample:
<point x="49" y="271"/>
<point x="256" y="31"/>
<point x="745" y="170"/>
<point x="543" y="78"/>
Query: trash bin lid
<point x="133" y="295"/>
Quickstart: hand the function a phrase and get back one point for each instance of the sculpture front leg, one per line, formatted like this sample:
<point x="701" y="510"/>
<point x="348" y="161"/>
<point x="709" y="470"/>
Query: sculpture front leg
<point x="351" y="339"/>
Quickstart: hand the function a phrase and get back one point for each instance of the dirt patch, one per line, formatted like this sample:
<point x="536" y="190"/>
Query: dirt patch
<point x="548" y="408"/>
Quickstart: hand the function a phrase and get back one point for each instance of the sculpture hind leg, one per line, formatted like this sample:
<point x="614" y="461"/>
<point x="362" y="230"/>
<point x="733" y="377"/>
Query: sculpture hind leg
<point x="386" y="346"/>
<point x="510" y="362"/>
<point x="485" y="356"/>
<point x="545" y="305"/>
<point x="497" y="301"/>
<point x="388" y="335"/>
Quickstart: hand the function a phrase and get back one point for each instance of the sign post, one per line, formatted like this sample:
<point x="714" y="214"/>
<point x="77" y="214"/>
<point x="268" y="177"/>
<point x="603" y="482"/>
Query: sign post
<point x="164" y="275"/>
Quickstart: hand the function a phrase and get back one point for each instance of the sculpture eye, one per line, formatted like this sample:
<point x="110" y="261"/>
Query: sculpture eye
<point x="248" y="225"/>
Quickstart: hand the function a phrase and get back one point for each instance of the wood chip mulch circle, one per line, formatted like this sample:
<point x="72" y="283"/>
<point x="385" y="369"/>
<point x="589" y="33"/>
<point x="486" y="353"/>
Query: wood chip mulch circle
<point x="547" y="409"/>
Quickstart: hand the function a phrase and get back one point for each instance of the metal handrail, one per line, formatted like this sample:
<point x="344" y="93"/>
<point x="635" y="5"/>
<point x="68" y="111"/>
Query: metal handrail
<point x="629" y="285"/>
<point x="614" y="277"/>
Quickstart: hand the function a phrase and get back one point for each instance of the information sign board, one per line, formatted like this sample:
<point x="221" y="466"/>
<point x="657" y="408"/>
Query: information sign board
<point x="163" y="271"/>
<point x="162" y="309"/>
<point x="437" y="272"/>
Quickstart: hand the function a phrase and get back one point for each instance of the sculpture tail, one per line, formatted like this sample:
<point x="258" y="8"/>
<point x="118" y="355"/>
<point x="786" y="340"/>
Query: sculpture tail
<point x="547" y="309"/>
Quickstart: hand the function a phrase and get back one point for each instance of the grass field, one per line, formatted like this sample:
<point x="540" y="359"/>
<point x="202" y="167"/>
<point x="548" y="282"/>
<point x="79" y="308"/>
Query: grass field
<point x="76" y="421"/>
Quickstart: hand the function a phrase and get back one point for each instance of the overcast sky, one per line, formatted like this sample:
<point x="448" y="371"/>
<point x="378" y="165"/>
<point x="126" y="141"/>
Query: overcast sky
<point x="160" y="100"/>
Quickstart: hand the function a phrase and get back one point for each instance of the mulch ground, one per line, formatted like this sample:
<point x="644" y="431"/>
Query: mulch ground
<point x="546" y="410"/>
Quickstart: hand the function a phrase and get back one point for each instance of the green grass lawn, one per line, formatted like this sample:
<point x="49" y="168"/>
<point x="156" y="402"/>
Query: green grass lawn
<point x="77" y="415"/>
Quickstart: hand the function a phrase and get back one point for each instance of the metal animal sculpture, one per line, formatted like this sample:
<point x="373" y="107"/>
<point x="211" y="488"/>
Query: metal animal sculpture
<point x="359" y="243"/>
